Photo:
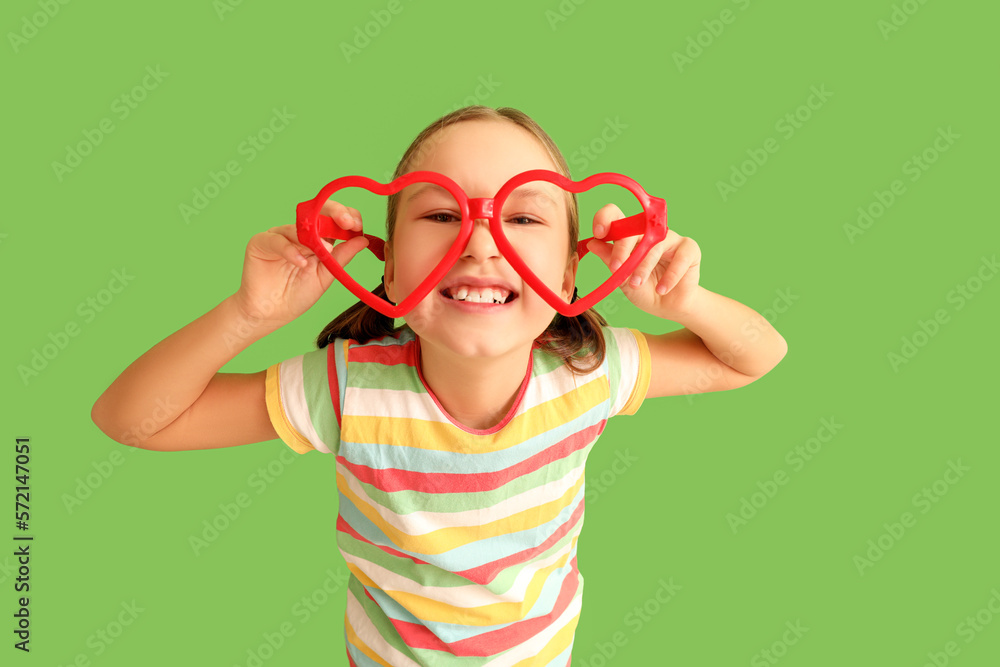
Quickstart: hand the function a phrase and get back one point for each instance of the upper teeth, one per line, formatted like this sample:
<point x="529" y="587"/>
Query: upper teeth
<point x="480" y="294"/>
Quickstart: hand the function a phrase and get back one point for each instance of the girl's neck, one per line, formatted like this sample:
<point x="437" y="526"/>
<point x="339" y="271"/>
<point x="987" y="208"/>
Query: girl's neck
<point x="476" y="392"/>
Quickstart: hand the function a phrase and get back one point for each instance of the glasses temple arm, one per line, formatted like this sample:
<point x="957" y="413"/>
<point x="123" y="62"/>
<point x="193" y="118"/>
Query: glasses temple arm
<point x="634" y="225"/>
<point x="328" y="229"/>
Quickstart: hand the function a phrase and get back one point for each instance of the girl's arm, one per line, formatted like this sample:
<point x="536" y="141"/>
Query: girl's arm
<point x="173" y="397"/>
<point x="724" y="345"/>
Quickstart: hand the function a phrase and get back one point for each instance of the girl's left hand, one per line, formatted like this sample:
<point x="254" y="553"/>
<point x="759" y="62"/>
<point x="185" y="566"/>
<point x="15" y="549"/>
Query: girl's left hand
<point x="668" y="275"/>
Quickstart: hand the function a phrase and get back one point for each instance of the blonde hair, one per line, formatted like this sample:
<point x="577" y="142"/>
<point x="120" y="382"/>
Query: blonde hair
<point x="578" y="341"/>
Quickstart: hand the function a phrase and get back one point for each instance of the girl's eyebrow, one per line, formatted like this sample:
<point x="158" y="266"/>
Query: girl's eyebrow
<point x="424" y="187"/>
<point x="521" y="192"/>
<point x="531" y="193"/>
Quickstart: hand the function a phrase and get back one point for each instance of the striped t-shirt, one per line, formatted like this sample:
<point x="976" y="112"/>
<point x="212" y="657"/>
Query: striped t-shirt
<point x="461" y="543"/>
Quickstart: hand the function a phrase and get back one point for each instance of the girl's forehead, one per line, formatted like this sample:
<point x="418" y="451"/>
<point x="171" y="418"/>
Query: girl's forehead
<point x="482" y="150"/>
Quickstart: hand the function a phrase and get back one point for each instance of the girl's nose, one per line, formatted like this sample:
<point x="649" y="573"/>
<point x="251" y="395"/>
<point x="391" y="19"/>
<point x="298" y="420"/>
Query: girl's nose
<point x="481" y="244"/>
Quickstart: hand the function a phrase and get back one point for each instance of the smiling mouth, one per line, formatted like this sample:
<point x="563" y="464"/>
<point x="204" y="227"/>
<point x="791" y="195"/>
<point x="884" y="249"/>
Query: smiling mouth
<point x="487" y="297"/>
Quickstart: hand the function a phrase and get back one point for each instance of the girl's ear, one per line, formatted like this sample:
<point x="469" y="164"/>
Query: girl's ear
<point x="389" y="272"/>
<point x="569" y="278"/>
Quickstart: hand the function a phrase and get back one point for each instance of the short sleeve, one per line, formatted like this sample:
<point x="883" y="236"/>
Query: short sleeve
<point x="628" y="363"/>
<point x="300" y="404"/>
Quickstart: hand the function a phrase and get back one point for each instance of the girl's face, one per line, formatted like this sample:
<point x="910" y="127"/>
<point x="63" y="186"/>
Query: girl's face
<point x="480" y="156"/>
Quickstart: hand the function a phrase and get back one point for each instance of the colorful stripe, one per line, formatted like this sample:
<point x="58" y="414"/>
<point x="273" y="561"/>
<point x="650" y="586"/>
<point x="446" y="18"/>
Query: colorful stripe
<point x="461" y="543"/>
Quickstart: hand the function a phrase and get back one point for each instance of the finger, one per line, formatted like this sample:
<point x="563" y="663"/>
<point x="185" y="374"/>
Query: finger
<point x="345" y="252"/>
<point x="655" y="255"/>
<point x="601" y="249"/>
<point x="660" y="254"/>
<point x="622" y="247"/>
<point x="604" y="217"/>
<point x="305" y="252"/>
<point x="356" y="214"/>
<point x="345" y="217"/>
<point x="290" y="232"/>
<point x="613" y="254"/>
<point x="685" y="256"/>
<point x="275" y="244"/>
<point x="621" y="251"/>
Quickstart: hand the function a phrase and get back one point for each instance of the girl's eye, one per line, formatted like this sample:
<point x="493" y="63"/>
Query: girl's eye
<point x="442" y="216"/>
<point x="522" y="220"/>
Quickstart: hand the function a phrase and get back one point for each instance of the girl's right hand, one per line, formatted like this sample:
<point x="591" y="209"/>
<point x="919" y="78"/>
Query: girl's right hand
<point x="282" y="278"/>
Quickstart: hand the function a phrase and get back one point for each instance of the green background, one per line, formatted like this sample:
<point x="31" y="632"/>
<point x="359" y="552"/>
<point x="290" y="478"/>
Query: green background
<point x="778" y="244"/>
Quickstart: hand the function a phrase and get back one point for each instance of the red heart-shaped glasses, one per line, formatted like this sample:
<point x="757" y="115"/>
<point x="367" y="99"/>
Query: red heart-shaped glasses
<point x="311" y="226"/>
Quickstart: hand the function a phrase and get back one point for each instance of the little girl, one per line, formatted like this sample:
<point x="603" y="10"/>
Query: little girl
<point x="460" y="436"/>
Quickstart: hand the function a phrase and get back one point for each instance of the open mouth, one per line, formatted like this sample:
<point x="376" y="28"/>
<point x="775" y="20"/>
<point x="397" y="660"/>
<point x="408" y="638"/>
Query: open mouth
<point x="484" y="295"/>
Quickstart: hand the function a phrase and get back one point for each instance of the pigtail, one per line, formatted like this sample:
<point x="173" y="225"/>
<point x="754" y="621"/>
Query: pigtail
<point x="578" y="340"/>
<point x="360" y="322"/>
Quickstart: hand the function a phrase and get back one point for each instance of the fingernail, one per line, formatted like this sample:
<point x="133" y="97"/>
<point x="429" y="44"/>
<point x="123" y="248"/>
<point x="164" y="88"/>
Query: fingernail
<point x="636" y="281"/>
<point x="661" y="289"/>
<point x="599" y="230"/>
<point x="615" y="264"/>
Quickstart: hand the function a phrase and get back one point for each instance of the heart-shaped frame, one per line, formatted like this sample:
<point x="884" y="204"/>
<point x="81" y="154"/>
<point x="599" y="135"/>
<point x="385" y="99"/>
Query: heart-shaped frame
<point x="651" y="223"/>
<point x="311" y="227"/>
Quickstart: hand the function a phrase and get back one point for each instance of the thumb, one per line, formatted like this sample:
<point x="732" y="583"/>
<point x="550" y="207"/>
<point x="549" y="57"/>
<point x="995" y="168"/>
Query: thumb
<point x="345" y="252"/>
<point x="601" y="249"/>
